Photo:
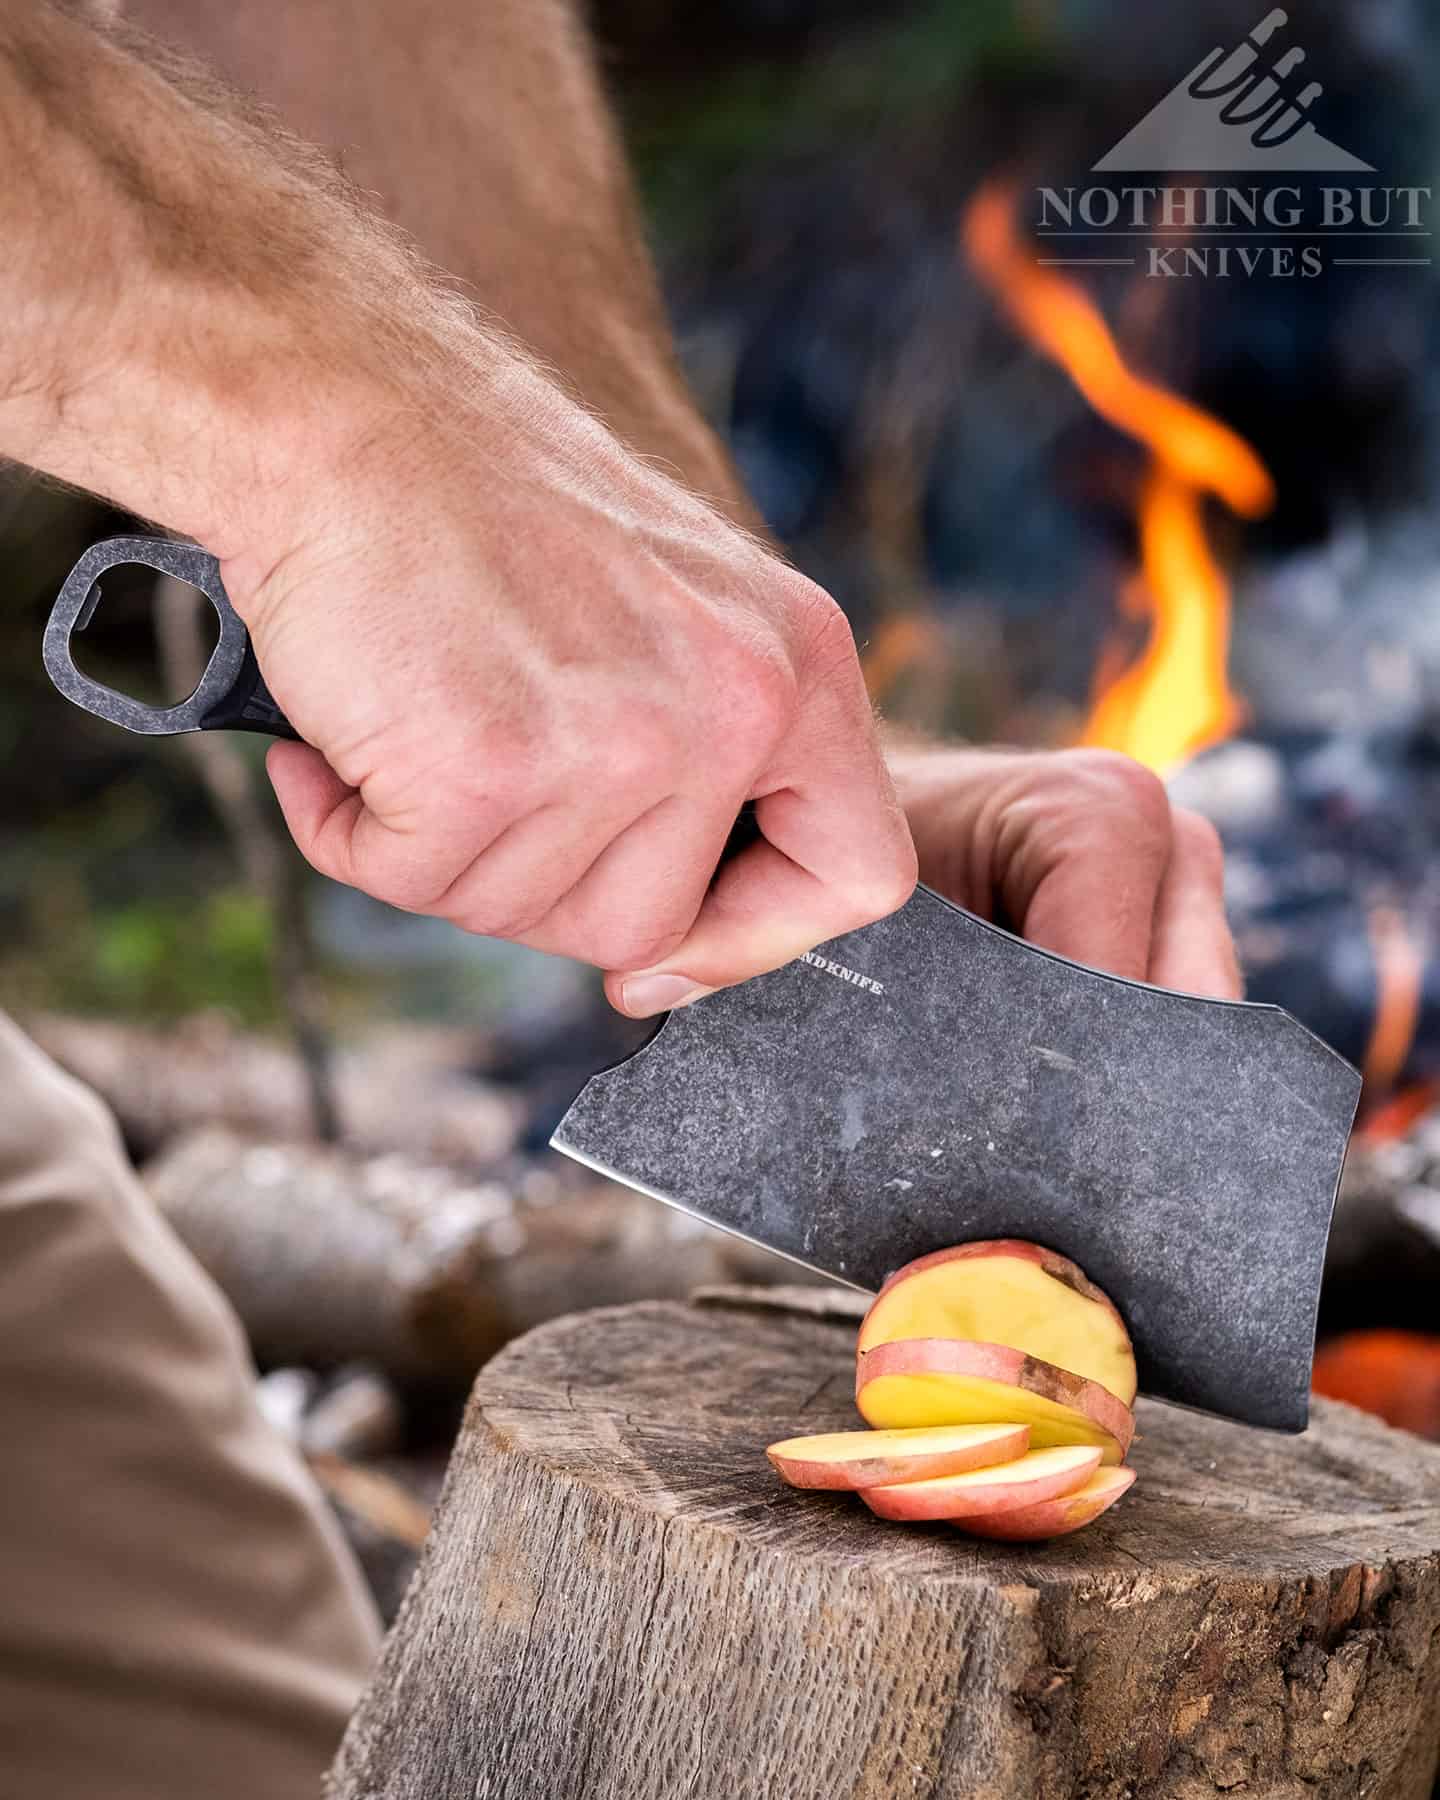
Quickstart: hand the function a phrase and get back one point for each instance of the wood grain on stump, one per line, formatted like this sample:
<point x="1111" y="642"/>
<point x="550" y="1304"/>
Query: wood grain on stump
<point x="620" y="1601"/>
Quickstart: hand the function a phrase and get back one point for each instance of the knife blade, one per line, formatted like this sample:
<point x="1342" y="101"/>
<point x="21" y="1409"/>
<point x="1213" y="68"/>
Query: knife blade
<point x="932" y="1079"/>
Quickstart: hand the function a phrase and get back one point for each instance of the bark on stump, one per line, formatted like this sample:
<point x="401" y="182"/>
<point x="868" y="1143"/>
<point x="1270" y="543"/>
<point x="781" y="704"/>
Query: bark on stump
<point x="620" y="1600"/>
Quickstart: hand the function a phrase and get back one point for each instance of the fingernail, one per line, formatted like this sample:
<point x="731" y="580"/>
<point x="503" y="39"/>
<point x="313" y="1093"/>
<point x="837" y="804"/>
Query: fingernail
<point x="644" y="995"/>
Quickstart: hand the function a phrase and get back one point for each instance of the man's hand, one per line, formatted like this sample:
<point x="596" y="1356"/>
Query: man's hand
<point x="539" y="677"/>
<point x="541" y="680"/>
<point x="1081" y="852"/>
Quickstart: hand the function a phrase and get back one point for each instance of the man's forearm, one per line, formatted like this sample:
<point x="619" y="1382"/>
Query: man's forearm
<point x="192" y="302"/>
<point x="483" y="131"/>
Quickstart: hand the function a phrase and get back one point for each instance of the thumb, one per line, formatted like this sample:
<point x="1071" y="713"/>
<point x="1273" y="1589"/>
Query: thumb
<point x="320" y="809"/>
<point x="763" y="909"/>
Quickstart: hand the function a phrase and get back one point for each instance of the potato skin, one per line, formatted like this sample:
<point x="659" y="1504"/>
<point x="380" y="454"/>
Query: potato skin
<point x="1055" y="1518"/>
<point x="1043" y="1475"/>
<point x="997" y="1362"/>
<point x="888" y="1467"/>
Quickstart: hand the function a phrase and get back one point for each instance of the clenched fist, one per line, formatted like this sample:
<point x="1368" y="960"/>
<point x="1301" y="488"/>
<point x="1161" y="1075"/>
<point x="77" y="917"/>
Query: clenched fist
<point x="538" y="680"/>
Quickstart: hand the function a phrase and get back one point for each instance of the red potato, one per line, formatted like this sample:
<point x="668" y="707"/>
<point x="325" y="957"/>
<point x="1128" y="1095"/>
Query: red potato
<point x="1039" y="1476"/>
<point x="941" y="1381"/>
<point x="1054" y="1518"/>
<point x="863" y="1459"/>
<point x="1006" y="1291"/>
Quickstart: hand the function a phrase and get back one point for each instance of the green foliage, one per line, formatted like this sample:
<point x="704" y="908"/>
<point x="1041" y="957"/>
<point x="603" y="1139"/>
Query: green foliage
<point x="690" y="136"/>
<point x="159" y="958"/>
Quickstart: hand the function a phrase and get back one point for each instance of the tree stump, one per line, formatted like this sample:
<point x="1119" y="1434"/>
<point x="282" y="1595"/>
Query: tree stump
<point x="620" y="1602"/>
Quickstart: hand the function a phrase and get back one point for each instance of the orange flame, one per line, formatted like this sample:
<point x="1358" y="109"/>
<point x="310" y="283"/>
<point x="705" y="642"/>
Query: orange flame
<point x="1176" y="699"/>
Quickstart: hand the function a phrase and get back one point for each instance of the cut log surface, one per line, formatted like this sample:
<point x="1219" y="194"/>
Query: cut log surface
<point x="620" y="1601"/>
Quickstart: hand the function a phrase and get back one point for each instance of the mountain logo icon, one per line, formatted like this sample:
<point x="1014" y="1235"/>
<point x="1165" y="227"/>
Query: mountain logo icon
<point x="1236" y="109"/>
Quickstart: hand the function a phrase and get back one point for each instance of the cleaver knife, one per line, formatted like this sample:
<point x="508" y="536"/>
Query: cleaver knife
<point x="933" y="1079"/>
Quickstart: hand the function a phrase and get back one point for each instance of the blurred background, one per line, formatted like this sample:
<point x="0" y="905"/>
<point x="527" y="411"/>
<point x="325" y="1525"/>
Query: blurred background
<point x="344" y="1109"/>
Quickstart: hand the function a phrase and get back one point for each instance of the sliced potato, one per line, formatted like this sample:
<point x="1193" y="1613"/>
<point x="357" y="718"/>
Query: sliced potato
<point x="1057" y="1517"/>
<point x="1006" y="1291"/>
<point x="863" y="1459"/>
<point x="919" y="1382"/>
<point x="985" y="1493"/>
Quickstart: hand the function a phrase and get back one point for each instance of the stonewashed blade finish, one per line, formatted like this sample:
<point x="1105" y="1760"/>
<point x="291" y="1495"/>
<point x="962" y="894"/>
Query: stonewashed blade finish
<point x="932" y="1079"/>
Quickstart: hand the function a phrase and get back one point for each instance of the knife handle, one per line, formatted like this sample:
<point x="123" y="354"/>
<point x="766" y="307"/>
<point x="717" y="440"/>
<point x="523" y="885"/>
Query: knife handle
<point x="231" y="694"/>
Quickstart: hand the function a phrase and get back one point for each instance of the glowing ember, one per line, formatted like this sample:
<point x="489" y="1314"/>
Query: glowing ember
<point x="1176" y="699"/>
<point x="1398" y="1116"/>
<point x="1399" y="986"/>
<point x="1394" y="1374"/>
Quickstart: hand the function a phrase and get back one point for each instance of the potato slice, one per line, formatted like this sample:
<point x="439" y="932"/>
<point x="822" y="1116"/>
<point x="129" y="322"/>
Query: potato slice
<point x="1005" y="1291"/>
<point x="982" y="1493"/>
<point x="1054" y="1518"/>
<point x="942" y="1381"/>
<point x="862" y="1459"/>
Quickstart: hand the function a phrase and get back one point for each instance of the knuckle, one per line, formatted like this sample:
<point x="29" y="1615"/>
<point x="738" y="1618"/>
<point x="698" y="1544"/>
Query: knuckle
<point x="640" y="950"/>
<point x="1202" y="843"/>
<point x="327" y="857"/>
<point x="634" y="751"/>
<point x="513" y="925"/>
<point x="628" y="947"/>
<point x="830" y="651"/>
<point x="490" y="909"/>
<point x="418" y="893"/>
<point x="458" y="759"/>
<point x="610" y="931"/>
<point x="885" y="890"/>
<point x="756" y="698"/>
<point x="1119" y="780"/>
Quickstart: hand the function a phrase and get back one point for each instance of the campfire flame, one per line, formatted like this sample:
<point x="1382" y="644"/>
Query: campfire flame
<point x="1176" y="698"/>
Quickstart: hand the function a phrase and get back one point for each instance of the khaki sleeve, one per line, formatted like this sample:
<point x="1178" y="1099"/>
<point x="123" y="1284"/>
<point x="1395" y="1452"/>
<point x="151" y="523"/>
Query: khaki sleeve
<point x="180" y="1615"/>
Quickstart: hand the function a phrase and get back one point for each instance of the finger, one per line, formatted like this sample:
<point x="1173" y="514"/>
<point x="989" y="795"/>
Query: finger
<point x="1193" y="950"/>
<point x="516" y="883"/>
<point x="835" y="854"/>
<point x="1082" y="871"/>
<point x="637" y="901"/>
<point x="826" y="798"/>
<point x="835" y="850"/>
<point x="762" y="910"/>
<point x="319" y="808"/>
<point x="341" y="837"/>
